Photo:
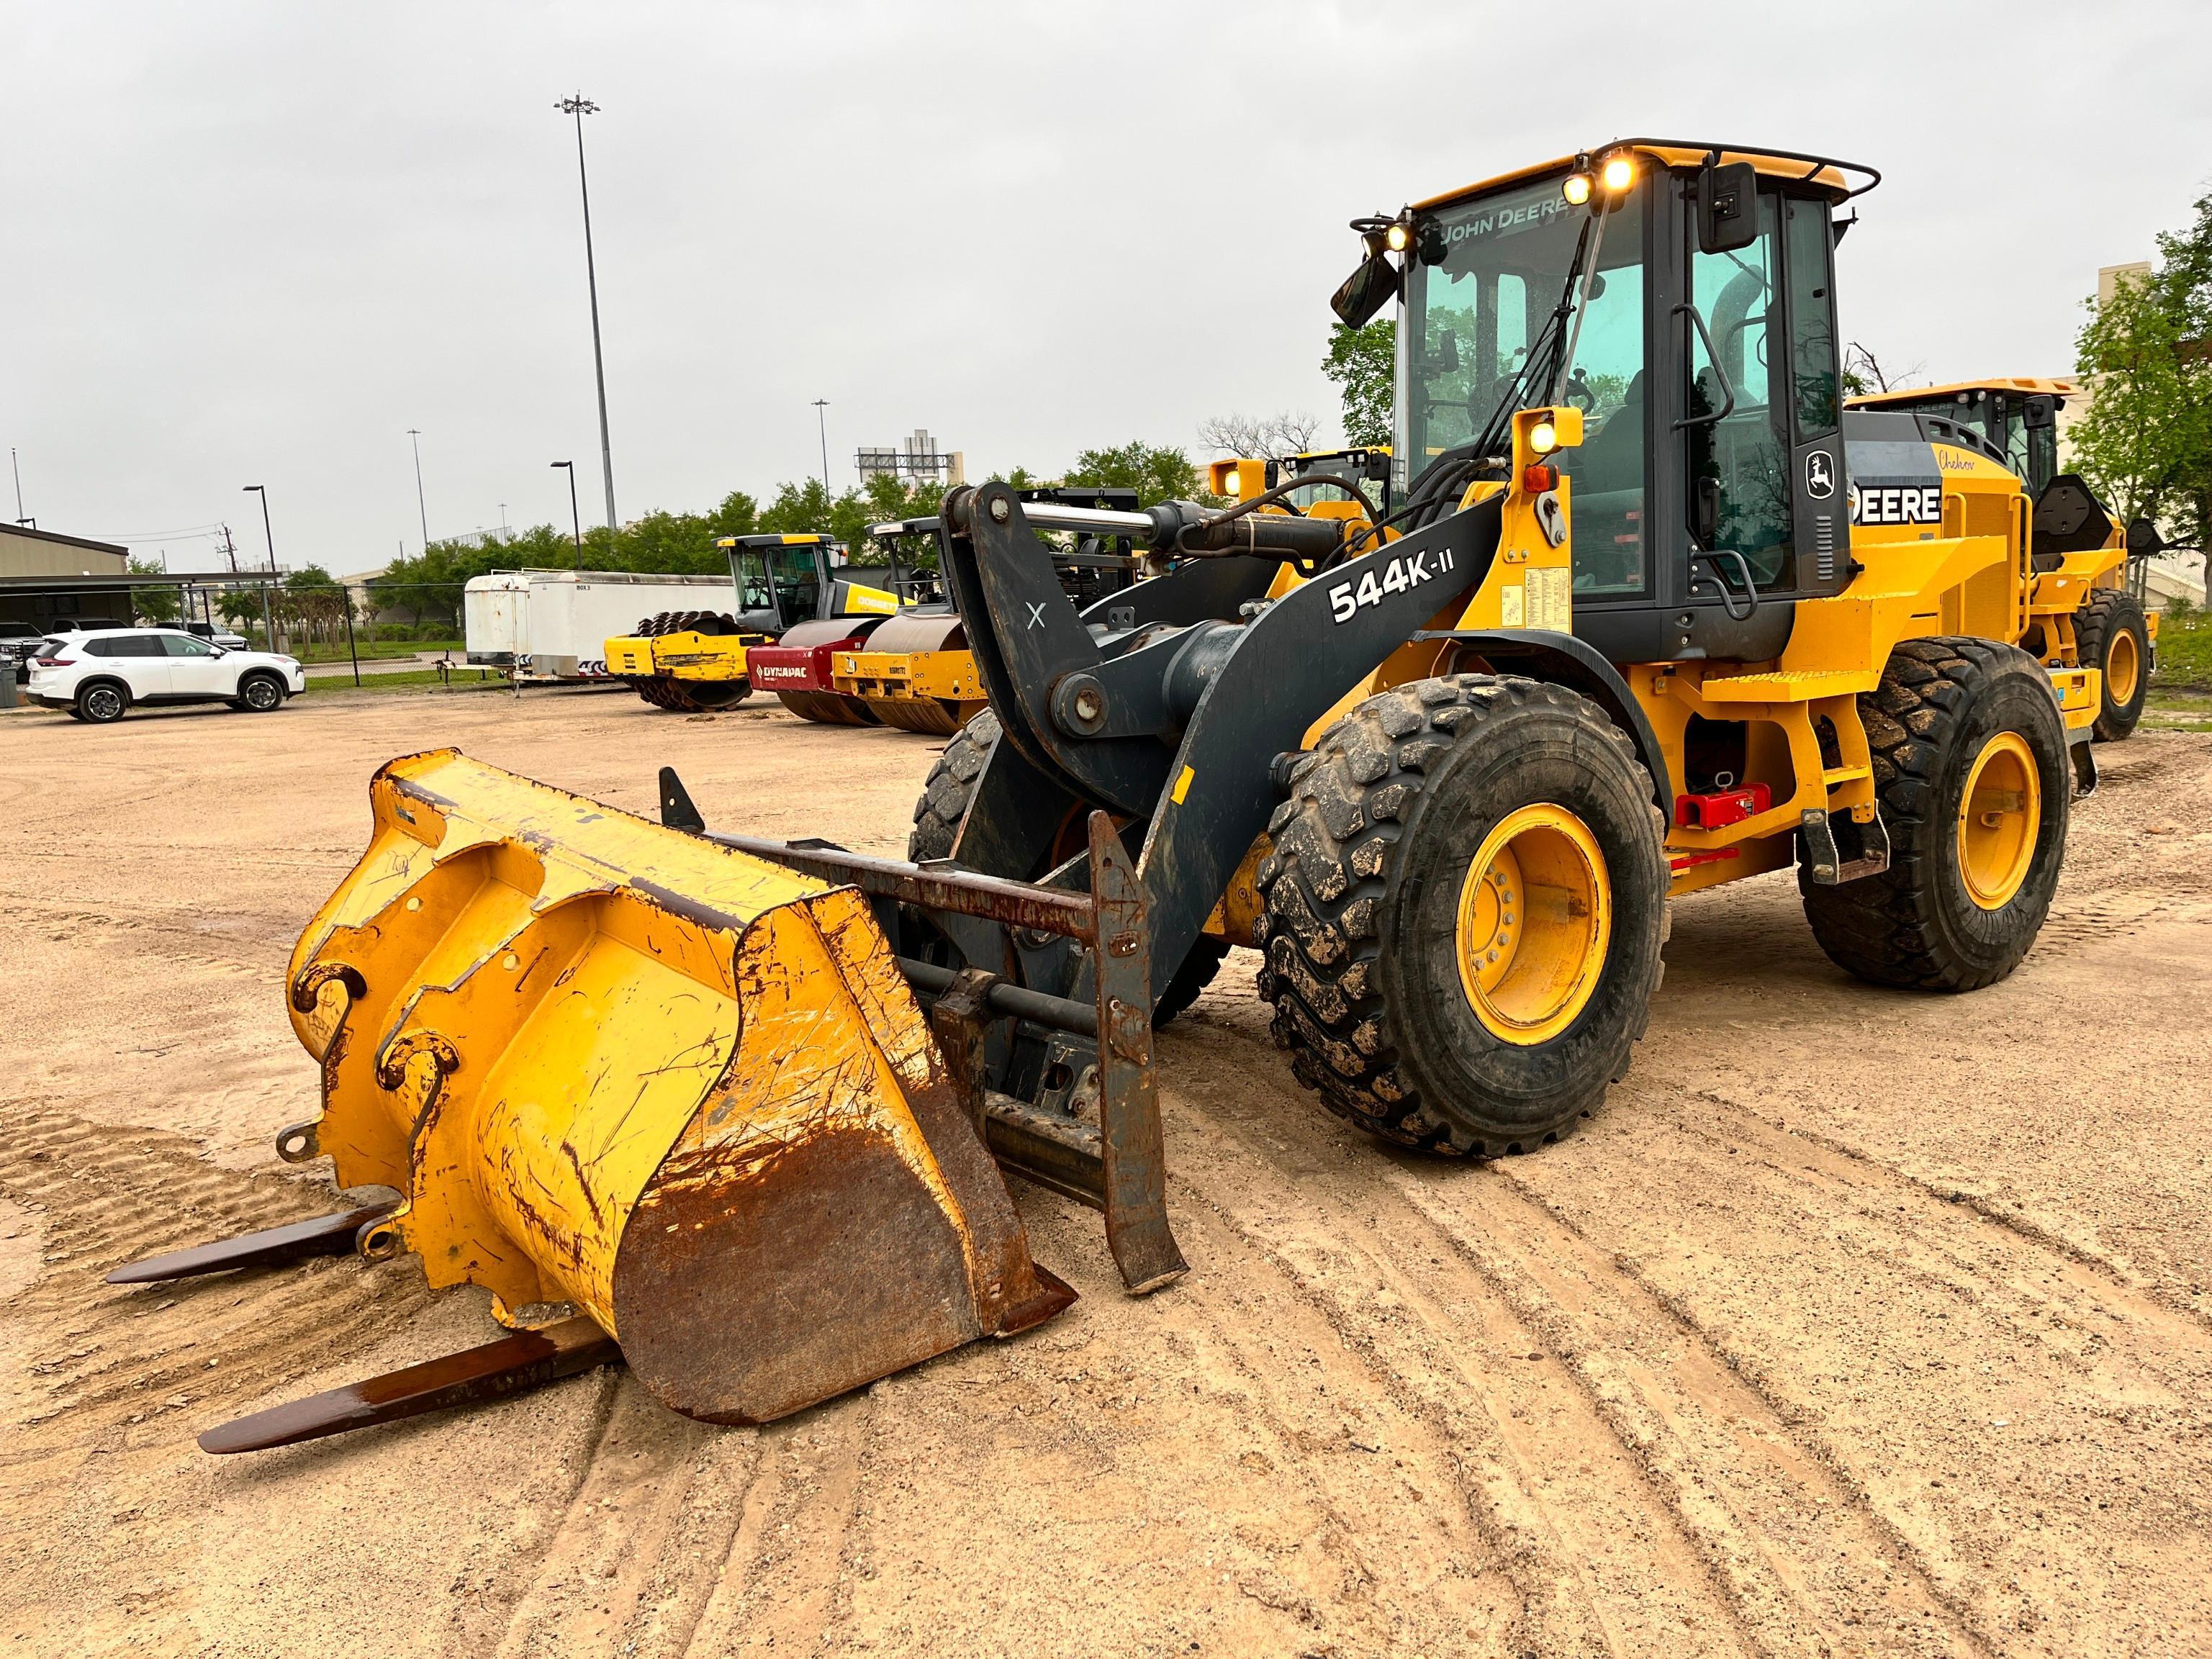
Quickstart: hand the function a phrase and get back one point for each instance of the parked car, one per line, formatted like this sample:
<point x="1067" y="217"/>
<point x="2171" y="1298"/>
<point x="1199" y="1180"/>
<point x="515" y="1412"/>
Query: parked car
<point x="213" y="635"/>
<point x="98" y="674"/>
<point x="19" y="643"/>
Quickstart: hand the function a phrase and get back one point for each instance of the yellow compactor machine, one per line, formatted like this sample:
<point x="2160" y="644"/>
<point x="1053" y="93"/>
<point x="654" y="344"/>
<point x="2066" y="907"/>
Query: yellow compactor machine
<point x="694" y="661"/>
<point x="1649" y="612"/>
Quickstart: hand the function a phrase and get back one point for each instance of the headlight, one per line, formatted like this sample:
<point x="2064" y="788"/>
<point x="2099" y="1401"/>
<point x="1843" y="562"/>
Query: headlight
<point x="1576" y="189"/>
<point x="1396" y="238"/>
<point x="1618" y="175"/>
<point x="1543" y="437"/>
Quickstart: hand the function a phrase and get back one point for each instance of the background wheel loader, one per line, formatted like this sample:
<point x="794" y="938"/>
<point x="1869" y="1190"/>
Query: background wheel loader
<point x="2086" y="606"/>
<point x="1650" y="612"/>
<point x="691" y="661"/>
<point x="916" y="673"/>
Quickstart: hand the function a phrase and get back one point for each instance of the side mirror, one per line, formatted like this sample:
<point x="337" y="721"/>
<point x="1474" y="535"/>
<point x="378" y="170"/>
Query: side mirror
<point x="1728" y="207"/>
<point x="2040" y="411"/>
<point x="1365" y="291"/>
<point x="2144" y="539"/>
<point x="1705" y="510"/>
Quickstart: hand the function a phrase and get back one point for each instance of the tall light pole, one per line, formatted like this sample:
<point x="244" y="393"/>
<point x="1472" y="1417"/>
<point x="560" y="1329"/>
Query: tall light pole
<point x="268" y="616"/>
<point x="18" y="468"/>
<point x="414" y="437"/>
<point x="822" y="419"/>
<point x="580" y="106"/>
<point x="575" y="521"/>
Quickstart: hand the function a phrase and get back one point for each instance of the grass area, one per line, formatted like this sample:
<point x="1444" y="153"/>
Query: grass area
<point x="2176" y="710"/>
<point x="473" y="679"/>
<point x="2185" y="653"/>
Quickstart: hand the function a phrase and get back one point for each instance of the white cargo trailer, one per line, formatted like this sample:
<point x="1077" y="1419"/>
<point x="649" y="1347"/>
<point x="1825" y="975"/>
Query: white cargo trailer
<point x="566" y="617"/>
<point x="492" y="618"/>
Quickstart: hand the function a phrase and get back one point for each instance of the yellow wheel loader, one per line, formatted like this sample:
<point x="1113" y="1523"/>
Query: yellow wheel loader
<point x="1648" y="612"/>
<point x="2086" y="604"/>
<point x="692" y="660"/>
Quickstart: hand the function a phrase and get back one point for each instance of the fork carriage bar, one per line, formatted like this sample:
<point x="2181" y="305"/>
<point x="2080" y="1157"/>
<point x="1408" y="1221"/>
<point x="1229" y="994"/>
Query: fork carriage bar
<point x="1117" y="1165"/>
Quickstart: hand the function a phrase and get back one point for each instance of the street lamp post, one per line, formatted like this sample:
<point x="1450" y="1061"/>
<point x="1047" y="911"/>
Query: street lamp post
<point x="580" y="106"/>
<point x="414" y="437"/>
<point x="822" y="421"/>
<point x="268" y="615"/>
<point x="575" y="521"/>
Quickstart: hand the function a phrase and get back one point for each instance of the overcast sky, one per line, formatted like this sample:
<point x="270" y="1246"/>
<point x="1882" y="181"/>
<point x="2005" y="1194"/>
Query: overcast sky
<point x="255" y="244"/>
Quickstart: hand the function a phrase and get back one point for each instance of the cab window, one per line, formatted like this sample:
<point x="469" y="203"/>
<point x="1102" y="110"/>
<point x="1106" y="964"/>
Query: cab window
<point x="796" y="582"/>
<point x="1736" y="435"/>
<point x="1812" y="352"/>
<point x="183" y="645"/>
<point x="1605" y="382"/>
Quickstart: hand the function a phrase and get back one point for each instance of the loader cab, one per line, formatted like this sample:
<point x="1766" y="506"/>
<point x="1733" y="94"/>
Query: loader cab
<point x="2014" y="420"/>
<point x="780" y="579"/>
<point x="1683" y="298"/>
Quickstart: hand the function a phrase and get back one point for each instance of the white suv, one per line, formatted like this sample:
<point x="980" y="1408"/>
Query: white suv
<point x="98" y="673"/>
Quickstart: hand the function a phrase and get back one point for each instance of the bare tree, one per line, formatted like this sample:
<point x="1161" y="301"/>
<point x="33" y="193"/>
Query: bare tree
<point x="1863" y="373"/>
<point x="1267" y="436"/>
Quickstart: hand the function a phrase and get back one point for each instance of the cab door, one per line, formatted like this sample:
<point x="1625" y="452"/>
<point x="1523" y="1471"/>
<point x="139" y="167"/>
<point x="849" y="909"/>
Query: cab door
<point x="1759" y="436"/>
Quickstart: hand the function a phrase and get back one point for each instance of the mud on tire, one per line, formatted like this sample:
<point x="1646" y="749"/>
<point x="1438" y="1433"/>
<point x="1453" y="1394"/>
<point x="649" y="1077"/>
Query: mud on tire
<point x="1915" y="925"/>
<point x="1363" y="890"/>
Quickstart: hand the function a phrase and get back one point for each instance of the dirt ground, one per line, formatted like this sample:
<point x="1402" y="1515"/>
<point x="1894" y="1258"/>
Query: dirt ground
<point x="1856" y="1322"/>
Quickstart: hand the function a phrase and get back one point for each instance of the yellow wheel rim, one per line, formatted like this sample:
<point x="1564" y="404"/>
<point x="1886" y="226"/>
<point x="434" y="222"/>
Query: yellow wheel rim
<point x="1998" y="817"/>
<point x="1534" y="918"/>
<point x="2122" y="663"/>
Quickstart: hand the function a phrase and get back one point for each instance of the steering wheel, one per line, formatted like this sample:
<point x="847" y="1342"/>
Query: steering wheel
<point x="1581" y="393"/>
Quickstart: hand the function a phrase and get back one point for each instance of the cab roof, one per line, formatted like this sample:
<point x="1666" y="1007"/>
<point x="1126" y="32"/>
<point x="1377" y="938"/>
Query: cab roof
<point x="1920" y="394"/>
<point x="770" y="541"/>
<point x="1833" y="176"/>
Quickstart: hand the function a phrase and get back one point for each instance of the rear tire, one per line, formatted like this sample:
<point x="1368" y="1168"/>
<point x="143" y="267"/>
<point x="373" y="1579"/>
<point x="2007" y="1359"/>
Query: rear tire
<point x="103" y="704"/>
<point x="1412" y="995"/>
<point x="2111" y="635"/>
<point x="944" y="803"/>
<point x="1944" y="706"/>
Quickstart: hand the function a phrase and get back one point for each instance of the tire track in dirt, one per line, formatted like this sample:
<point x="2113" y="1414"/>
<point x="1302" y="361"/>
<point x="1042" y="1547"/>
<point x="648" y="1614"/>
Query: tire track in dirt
<point x="1790" y="1554"/>
<point x="642" y="1544"/>
<point x="1897" y="1338"/>
<point x="107" y="1195"/>
<point x="783" y="1583"/>
<point x="107" y="1380"/>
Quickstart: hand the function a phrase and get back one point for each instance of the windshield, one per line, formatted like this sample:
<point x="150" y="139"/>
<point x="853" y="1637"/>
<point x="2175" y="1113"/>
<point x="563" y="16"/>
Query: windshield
<point x="1473" y="321"/>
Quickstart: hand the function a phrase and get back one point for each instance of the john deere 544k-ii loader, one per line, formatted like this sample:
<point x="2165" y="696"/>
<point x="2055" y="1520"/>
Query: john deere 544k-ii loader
<point x="1650" y="612"/>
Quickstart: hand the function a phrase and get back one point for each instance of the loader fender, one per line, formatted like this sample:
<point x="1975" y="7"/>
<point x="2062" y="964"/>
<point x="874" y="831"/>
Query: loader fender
<point x="1558" y="658"/>
<point x="681" y="1087"/>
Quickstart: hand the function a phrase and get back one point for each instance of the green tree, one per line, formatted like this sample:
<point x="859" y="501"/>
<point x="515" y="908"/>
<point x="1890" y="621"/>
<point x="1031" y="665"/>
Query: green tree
<point x="311" y="601"/>
<point x="152" y="604"/>
<point x="2145" y="444"/>
<point x="1155" y="472"/>
<point x="1362" y="362"/>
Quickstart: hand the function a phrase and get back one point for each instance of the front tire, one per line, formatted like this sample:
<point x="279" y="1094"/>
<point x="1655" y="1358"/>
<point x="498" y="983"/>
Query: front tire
<point x="102" y="704"/>
<point x="1463" y="913"/>
<point x="260" y="693"/>
<point x="1972" y="780"/>
<point x="2112" y="636"/>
